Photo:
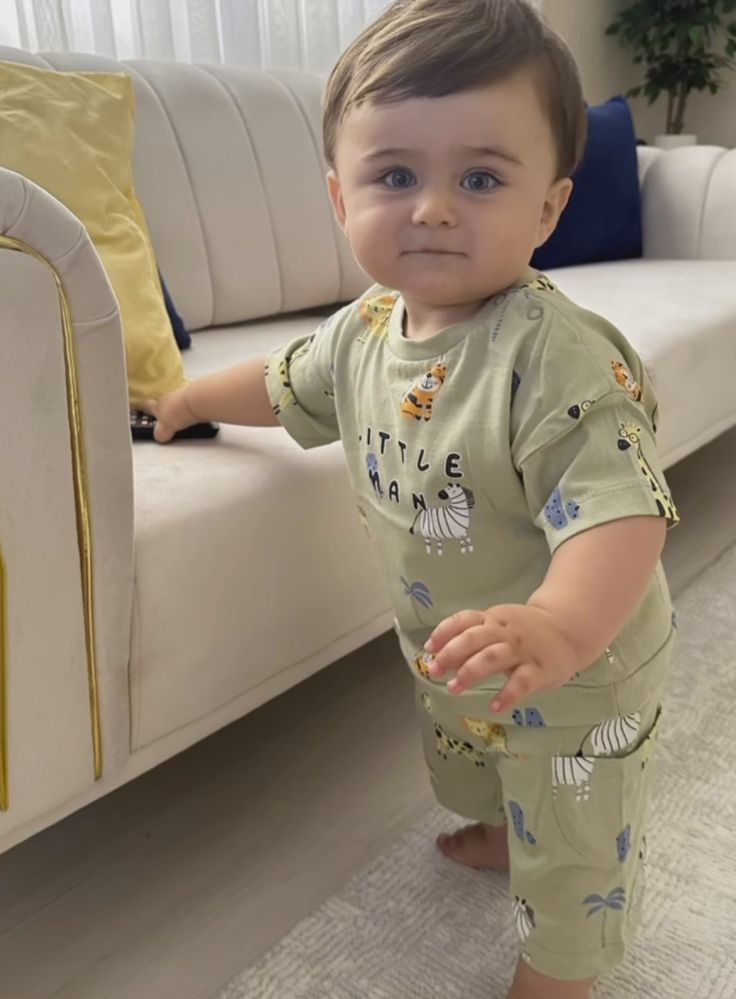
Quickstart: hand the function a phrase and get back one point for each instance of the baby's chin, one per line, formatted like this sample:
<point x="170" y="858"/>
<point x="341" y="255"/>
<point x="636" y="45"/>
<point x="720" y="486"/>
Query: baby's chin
<point x="433" y="291"/>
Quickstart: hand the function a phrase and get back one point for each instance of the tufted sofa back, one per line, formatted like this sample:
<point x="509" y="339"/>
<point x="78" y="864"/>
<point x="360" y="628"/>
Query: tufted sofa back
<point x="229" y="170"/>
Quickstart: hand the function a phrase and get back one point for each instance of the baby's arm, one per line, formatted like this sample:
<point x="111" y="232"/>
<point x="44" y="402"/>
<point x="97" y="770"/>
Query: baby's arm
<point x="595" y="581"/>
<point x="234" y="395"/>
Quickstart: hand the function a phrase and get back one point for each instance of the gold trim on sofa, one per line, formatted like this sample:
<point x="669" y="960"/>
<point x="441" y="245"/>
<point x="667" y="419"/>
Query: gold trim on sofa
<point x="81" y="502"/>
<point x="3" y="712"/>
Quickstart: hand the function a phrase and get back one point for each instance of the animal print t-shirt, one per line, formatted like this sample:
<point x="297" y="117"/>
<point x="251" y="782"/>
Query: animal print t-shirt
<point x="475" y="452"/>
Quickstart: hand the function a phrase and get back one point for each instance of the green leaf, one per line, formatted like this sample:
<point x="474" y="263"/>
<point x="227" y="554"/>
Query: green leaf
<point x="682" y="44"/>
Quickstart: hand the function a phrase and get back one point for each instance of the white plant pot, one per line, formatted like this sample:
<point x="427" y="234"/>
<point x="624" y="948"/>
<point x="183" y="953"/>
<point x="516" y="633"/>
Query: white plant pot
<point x="674" y="141"/>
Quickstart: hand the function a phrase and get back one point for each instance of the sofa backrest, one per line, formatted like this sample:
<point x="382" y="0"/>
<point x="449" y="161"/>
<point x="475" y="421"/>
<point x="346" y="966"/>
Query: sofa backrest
<point x="687" y="202"/>
<point x="229" y="171"/>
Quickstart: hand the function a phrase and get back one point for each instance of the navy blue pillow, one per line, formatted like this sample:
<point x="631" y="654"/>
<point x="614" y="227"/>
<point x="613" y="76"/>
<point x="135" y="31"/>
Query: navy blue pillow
<point x="181" y="334"/>
<point x="602" y="220"/>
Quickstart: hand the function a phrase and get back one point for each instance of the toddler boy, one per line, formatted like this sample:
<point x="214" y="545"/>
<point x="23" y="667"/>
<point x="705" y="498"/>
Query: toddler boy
<point x="500" y="441"/>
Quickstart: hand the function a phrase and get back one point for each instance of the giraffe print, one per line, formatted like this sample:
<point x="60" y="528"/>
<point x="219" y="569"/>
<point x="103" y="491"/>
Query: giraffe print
<point x="628" y="436"/>
<point x="446" y="744"/>
<point x="540" y="283"/>
<point x="375" y="313"/>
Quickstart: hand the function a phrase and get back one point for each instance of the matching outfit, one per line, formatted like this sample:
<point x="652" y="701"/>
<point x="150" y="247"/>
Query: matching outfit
<point x="473" y="454"/>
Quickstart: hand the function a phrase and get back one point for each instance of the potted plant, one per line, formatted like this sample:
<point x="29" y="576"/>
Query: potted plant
<point x="683" y="45"/>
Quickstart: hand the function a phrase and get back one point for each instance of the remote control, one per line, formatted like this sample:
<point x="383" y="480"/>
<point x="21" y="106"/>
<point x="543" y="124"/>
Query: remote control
<point x="142" y="426"/>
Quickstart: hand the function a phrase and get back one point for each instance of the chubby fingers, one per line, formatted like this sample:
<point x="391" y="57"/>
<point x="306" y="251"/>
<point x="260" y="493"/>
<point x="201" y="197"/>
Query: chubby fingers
<point x="162" y="433"/>
<point x="459" y="638"/>
<point x="454" y="625"/>
<point x="487" y="661"/>
<point x="524" y="679"/>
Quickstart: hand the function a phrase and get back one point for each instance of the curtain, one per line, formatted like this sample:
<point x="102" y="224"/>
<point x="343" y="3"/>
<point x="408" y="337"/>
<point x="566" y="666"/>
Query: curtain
<point x="283" y="34"/>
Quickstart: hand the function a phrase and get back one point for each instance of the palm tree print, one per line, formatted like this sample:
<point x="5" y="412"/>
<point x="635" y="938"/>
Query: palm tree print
<point x="419" y="593"/>
<point x="616" y="899"/>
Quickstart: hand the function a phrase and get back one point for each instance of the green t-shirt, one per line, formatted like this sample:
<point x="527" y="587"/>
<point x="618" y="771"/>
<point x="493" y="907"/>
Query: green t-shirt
<point x="475" y="452"/>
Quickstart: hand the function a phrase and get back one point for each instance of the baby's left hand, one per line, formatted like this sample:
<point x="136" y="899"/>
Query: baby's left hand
<point x="520" y="640"/>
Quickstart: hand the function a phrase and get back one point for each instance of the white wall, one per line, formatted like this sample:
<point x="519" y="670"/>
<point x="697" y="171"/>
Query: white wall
<point x="607" y="69"/>
<point x="582" y="24"/>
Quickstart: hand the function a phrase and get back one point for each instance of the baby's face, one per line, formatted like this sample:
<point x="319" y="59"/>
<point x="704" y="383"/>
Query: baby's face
<point x="445" y="198"/>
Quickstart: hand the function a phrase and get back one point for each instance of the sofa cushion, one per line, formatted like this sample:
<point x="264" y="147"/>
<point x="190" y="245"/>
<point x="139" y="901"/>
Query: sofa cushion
<point x="72" y="133"/>
<point x="602" y="220"/>
<point x="228" y="530"/>
<point x="681" y="317"/>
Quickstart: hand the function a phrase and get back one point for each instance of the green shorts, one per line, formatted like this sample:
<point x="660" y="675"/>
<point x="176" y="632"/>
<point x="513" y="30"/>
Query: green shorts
<point x="574" y="798"/>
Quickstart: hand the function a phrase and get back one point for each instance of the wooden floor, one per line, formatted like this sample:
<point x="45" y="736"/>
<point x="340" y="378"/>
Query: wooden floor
<point x="166" y="888"/>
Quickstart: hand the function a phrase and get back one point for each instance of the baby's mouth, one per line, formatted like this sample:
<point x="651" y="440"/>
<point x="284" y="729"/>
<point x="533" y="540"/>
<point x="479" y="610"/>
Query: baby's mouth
<point x="434" y="253"/>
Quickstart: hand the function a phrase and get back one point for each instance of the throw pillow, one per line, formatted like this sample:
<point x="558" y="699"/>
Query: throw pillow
<point x="602" y="220"/>
<point x="181" y="333"/>
<point x="72" y="133"/>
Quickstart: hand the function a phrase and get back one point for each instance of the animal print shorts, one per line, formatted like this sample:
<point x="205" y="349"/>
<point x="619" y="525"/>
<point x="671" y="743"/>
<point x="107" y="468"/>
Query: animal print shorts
<point x="574" y="799"/>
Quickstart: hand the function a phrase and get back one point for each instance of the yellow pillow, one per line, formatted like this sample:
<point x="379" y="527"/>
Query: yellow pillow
<point x="72" y="133"/>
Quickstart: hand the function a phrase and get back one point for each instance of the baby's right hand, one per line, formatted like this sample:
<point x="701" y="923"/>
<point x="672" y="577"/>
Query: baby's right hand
<point x="172" y="414"/>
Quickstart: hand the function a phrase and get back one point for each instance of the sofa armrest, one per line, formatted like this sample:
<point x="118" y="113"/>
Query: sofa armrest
<point x="689" y="202"/>
<point x="66" y="508"/>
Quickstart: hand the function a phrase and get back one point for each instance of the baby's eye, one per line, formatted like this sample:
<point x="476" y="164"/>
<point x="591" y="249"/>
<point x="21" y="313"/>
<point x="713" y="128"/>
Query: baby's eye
<point x="480" y="180"/>
<point x="398" y="179"/>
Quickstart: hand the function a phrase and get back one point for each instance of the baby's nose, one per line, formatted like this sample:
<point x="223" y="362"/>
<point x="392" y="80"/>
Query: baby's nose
<point x="433" y="207"/>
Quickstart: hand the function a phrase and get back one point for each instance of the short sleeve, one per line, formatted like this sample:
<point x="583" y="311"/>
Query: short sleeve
<point x="584" y="438"/>
<point x="300" y="385"/>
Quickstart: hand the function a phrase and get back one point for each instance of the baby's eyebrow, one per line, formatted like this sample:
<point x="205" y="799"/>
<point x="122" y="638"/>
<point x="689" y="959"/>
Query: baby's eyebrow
<point x="379" y="154"/>
<point x="494" y="151"/>
<point x="502" y="154"/>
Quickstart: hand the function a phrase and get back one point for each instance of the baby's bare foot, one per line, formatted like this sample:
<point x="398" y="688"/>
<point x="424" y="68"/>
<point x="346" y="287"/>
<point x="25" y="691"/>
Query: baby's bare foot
<point x="477" y="845"/>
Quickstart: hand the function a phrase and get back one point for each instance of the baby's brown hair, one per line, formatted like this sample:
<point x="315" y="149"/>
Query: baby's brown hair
<point x="431" y="48"/>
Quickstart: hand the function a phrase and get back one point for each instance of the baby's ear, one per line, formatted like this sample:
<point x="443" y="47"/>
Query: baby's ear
<point x="554" y="205"/>
<point x="334" y="189"/>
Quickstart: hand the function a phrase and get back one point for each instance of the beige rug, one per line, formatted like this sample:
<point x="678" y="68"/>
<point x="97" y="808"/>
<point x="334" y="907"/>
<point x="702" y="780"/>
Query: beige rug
<point x="413" y="925"/>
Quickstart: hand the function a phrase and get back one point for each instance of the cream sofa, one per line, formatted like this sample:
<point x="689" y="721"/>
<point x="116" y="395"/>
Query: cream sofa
<point x="223" y="572"/>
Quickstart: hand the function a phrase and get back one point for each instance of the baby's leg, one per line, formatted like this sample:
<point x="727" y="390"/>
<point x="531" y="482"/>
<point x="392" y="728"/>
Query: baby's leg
<point x="465" y="780"/>
<point x="531" y="984"/>
<point x="576" y="847"/>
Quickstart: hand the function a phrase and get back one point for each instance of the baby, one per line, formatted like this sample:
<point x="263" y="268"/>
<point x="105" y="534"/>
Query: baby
<point x="500" y="441"/>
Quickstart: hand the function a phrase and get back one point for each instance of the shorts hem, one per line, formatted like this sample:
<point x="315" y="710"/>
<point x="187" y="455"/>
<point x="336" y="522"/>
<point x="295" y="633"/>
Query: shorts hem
<point x="493" y="815"/>
<point x="575" y="967"/>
